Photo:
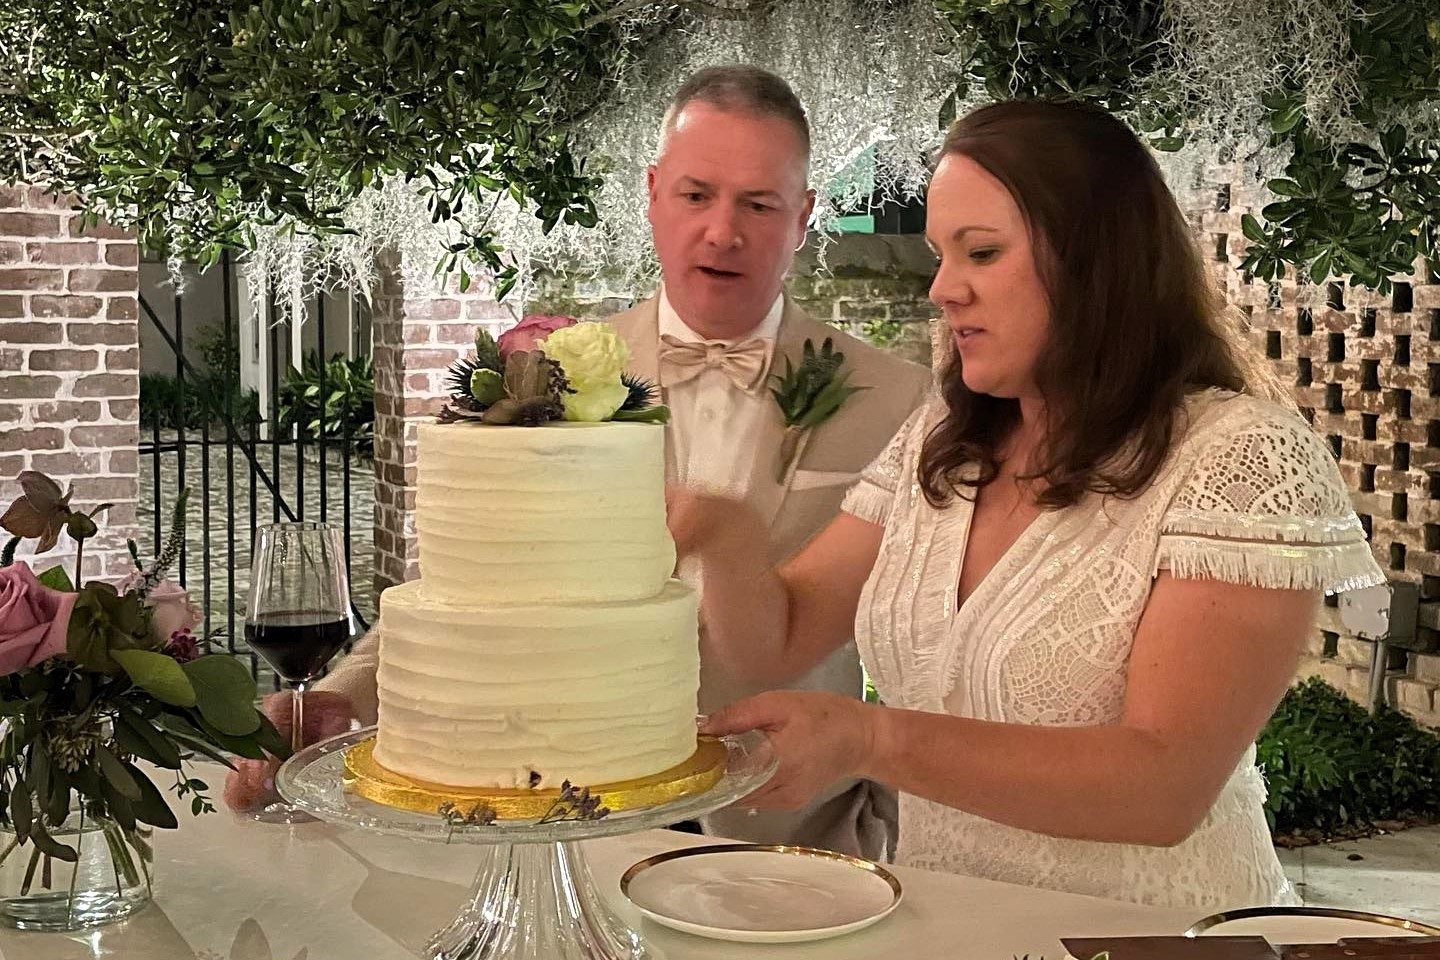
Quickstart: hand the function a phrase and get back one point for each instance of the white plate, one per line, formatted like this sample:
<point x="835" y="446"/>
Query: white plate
<point x="755" y="893"/>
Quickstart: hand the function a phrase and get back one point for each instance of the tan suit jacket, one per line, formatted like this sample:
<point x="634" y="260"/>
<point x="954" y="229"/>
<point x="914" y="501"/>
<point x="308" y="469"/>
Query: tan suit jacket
<point x="854" y="817"/>
<point x="858" y="818"/>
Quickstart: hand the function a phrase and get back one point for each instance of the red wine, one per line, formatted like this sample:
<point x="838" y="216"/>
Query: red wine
<point x="297" y="644"/>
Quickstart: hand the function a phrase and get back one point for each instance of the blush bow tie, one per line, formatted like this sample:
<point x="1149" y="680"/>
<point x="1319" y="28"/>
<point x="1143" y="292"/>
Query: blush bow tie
<point x="743" y="363"/>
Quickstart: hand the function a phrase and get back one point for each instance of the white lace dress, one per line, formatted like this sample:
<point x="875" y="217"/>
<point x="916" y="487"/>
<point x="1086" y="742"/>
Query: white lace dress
<point x="1249" y="495"/>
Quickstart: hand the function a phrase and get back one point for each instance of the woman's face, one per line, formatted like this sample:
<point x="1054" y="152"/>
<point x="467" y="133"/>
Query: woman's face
<point x="987" y="286"/>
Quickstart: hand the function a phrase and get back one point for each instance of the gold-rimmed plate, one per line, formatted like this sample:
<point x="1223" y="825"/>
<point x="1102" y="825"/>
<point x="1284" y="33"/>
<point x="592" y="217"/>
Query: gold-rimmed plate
<point x="760" y="893"/>
<point x="1308" y="924"/>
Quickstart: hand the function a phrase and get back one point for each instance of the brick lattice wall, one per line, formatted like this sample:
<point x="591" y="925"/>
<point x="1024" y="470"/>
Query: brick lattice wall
<point x="69" y="355"/>
<point x="1365" y="369"/>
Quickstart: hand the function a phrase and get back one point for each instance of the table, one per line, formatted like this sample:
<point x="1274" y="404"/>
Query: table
<point x="228" y="888"/>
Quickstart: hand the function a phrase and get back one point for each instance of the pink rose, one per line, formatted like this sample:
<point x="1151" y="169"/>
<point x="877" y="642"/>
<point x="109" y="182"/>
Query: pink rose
<point x="171" y="608"/>
<point x="530" y="331"/>
<point x="33" y="619"/>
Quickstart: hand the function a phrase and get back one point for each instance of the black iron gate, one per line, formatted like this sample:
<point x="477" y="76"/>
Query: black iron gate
<point x="303" y="454"/>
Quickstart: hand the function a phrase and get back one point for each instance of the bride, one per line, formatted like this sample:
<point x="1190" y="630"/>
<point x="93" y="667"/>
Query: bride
<point x="1082" y="575"/>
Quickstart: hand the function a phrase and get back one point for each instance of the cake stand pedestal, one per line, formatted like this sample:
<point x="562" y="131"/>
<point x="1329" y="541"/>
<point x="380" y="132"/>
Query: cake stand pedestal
<point x="533" y="897"/>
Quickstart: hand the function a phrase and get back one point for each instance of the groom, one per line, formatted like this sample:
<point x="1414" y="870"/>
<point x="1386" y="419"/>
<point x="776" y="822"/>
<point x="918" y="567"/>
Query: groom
<point x="728" y="207"/>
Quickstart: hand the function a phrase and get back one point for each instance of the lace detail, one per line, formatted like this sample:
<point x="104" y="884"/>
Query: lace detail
<point x="1046" y="637"/>
<point x="1266" y="506"/>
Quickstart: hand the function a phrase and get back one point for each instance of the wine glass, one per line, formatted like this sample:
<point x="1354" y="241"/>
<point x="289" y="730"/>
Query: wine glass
<point x="297" y="617"/>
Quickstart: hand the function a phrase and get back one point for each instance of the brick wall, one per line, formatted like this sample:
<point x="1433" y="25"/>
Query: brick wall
<point x="68" y="360"/>
<point x="417" y="333"/>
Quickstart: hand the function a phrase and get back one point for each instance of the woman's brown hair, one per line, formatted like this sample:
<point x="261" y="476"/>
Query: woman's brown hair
<point x="1134" y="323"/>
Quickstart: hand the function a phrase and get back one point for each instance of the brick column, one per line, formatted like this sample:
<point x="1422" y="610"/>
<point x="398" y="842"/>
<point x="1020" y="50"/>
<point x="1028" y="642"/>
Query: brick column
<point x="69" y="361"/>
<point x="417" y="333"/>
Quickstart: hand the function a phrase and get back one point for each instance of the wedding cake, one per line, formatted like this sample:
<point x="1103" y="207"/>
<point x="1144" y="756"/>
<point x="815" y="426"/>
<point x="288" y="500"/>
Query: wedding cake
<point x="545" y="640"/>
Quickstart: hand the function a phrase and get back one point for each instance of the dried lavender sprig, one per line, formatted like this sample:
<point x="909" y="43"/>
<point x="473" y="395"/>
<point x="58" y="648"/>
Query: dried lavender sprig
<point x="171" y="551"/>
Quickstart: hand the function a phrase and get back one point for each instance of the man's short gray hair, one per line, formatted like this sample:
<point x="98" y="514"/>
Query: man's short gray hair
<point x="741" y="87"/>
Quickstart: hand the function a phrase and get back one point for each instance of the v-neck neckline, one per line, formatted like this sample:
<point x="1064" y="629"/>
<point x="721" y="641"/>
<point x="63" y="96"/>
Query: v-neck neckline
<point x="1006" y="556"/>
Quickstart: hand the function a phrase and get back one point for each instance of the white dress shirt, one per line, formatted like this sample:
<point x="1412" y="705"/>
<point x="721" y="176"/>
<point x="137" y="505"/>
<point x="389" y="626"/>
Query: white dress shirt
<point x="713" y="423"/>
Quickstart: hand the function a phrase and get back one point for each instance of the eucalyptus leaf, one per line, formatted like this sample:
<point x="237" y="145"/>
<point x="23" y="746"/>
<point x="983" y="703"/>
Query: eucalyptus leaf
<point x="271" y="740"/>
<point x="136" y="736"/>
<point x="159" y="675"/>
<point x="120" y="809"/>
<point x="241" y="746"/>
<point x="57" y="802"/>
<point x="151" y="808"/>
<point x="658" y="413"/>
<point x="21" y="812"/>
<point x="199" y="744"/>
<point x="116" y="774"/>
<point x="224" y="693"/>
<point x="50" y="847"/>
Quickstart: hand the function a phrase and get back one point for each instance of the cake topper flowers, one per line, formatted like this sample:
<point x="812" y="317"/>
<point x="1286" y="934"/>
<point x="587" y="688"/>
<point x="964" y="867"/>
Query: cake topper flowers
<point x="549" y="368"/>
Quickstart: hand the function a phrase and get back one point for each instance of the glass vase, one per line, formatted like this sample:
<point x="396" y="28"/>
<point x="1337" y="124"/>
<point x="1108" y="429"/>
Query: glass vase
<point x="110" y="880"/>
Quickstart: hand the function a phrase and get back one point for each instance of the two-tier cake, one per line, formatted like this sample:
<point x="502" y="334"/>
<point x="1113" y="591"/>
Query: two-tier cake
<point x="545" y="640"/>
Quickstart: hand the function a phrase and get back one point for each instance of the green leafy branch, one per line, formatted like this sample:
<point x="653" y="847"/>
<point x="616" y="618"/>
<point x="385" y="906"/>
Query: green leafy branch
<point x="194" y="127"/>
<point x="1365" y="208"/>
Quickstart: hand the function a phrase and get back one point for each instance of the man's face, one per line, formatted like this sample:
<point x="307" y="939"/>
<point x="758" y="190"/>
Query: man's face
<point x="728" y="208"/>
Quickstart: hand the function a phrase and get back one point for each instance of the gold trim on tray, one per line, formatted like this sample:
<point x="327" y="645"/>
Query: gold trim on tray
<point x="367" y="778"/>
<point x="659" y="858"/>
<point x="1338" y="913"/>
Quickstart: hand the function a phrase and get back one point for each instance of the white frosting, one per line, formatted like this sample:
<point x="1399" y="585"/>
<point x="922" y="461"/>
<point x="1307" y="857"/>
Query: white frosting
<point x="568" y="512"/>
<point x="545" y="636"/>
<point x="479" y="695"/>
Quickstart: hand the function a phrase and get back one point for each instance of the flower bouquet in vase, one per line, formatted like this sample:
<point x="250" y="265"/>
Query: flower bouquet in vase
<point x="103" y="690"/>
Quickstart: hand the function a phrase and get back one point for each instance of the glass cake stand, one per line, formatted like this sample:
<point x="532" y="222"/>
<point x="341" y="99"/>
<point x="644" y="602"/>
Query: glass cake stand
<point x="533" y="897"/>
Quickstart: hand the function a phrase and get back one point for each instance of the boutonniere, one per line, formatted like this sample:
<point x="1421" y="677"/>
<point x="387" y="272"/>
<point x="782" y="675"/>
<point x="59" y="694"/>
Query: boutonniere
<point x="809" y="395"/>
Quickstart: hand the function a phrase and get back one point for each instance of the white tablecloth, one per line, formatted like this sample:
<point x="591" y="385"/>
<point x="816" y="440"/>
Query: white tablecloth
<point x="231" y="889"/>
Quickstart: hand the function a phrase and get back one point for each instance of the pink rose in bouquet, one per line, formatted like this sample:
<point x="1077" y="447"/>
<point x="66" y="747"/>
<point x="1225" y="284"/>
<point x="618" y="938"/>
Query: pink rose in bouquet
<point x="171" y="609"/>
<point x="33" y="619"/>
<point x="530" y="331"/>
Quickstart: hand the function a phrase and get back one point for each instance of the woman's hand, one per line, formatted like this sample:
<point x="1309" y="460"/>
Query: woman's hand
<point x="818" y="737"/>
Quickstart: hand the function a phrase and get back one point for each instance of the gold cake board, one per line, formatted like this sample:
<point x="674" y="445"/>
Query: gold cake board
<point x="366" y="777"/>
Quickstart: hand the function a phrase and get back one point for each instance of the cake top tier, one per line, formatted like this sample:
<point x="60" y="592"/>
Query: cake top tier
<point x="565" y="512"/>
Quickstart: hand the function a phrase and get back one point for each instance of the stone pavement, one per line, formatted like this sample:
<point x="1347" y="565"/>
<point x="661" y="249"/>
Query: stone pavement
<point x="1396" y="874"/>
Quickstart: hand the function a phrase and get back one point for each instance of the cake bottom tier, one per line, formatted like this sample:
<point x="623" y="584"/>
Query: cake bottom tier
<point x="531" y="696"/>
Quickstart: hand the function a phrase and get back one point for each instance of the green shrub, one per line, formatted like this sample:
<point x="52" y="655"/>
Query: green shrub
<point x="1330" y="764"/>
<point x="201" y="396"/>
<point x="348" y="405"/>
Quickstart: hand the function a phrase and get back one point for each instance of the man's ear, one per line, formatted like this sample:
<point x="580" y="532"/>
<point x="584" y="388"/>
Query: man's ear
<point x="806" y="210"/>
<point x="651" y="179"/>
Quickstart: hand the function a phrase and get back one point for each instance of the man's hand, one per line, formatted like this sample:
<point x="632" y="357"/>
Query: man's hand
<point x="251" y="785"/>
<point x="696" y="520"/>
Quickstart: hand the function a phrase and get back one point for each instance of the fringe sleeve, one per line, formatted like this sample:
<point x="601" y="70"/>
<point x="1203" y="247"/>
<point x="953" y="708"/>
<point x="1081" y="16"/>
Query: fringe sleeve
<point x="1264" y="505"/>
<point x="872" y="495"/>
